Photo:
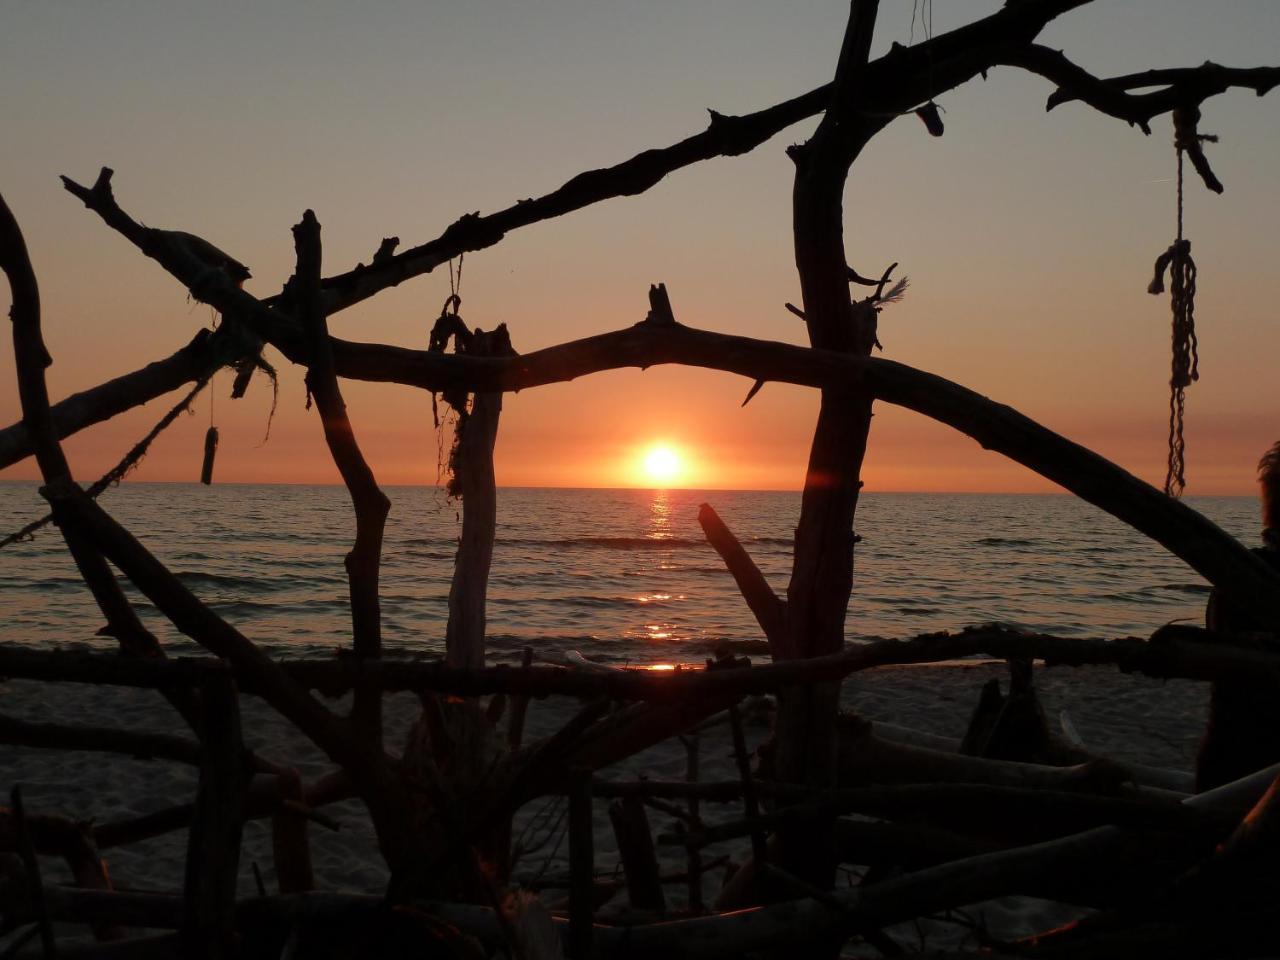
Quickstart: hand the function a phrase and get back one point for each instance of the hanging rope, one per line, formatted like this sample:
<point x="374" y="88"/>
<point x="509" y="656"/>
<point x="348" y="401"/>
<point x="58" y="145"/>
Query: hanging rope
<point x="1182" y="290"/>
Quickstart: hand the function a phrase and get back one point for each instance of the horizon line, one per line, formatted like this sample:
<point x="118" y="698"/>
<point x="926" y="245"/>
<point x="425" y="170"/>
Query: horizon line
<point x="516" y="486"/>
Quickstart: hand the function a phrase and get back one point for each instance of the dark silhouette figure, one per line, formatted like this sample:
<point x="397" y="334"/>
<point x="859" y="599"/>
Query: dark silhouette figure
<point x="1243" y="733"/>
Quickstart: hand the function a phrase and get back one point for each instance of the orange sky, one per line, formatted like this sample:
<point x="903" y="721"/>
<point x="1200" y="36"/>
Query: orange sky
<point x="1028" y="237"/>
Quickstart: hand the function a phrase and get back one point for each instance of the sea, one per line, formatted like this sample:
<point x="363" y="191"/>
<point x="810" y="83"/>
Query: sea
<point x="620" y="576"/>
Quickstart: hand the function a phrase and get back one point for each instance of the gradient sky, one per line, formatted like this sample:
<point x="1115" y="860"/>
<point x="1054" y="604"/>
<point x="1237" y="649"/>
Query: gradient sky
<point x="1029" y="237"/>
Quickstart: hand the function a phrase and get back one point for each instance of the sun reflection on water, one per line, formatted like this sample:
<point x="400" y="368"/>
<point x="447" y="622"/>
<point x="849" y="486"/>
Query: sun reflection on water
<point x="660" y="515"/>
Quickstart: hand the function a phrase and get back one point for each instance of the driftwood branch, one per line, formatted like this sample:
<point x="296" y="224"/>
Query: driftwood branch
<point x="891" y="84"/>
<point x="1161" y="659"/>
<point x="111" y="398"/>
<point x="1199" y="542"/>
<point x="1181" y="87"/>
<point x="895" y="82"/>
<point x="371" y="505"/>
<point x="66" y="737"/>
<point x="983" y="810"/>
<point x="769" y="611"/>
<point x="475" y="482"/>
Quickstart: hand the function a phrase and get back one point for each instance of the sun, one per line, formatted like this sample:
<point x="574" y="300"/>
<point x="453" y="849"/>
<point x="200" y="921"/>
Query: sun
<point x="662" y="464"/>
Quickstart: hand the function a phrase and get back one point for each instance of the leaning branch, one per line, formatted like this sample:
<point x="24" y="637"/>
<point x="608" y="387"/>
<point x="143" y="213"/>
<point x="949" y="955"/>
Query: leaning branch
<point x="769" y="611"/>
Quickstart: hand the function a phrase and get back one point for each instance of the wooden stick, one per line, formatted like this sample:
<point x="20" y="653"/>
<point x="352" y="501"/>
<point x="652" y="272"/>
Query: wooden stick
<point x="635" y="850"/>
<point x="519" y="707"/>
<point x="693" y="858"/>
<point x="581" y="866"/>
<point x="136" y="744"/>
<point x="213" y="846"/>
<point x="749" y="802"/>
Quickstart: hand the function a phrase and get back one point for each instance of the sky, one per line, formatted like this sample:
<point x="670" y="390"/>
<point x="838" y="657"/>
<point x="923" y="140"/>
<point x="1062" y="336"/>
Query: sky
<point x="1028" y="236"/>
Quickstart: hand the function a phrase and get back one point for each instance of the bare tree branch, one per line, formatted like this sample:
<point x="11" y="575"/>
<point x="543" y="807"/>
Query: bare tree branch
<point x="370" y="503"/>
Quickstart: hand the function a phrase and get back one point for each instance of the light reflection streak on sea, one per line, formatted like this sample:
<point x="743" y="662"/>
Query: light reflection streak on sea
<point x="620" y="575"/>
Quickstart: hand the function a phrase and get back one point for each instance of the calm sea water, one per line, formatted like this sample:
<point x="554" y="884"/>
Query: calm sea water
<point x="621" y="575"/>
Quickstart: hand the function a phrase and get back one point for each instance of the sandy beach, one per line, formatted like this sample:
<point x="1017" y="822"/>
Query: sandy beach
<point x="1131" y="719"/>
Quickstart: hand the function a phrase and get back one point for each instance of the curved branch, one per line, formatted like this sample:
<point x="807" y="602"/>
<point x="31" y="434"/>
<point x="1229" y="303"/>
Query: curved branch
<point x="1213" y="554"/>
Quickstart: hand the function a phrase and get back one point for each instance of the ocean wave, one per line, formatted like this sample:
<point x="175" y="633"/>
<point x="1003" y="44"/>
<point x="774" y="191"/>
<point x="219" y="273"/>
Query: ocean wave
<point x="608" y="543"/>
<point x="1198" y="589"/>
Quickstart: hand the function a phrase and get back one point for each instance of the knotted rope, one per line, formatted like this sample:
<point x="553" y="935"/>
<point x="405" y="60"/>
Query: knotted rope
<point x="1182" y="302"/>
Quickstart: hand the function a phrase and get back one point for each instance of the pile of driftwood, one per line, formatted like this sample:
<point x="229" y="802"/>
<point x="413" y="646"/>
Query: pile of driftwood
<point x="935" y="828"/>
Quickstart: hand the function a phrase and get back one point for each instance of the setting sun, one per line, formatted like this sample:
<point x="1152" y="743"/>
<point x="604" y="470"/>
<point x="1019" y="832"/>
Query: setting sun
<point x="663" y="464"/>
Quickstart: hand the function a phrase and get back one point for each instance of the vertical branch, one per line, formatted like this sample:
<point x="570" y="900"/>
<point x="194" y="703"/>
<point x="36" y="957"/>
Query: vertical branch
<point x="370" y="503"/>
<point x="822" y="571"/>
<point x="213" y="846"/>
<point x="474" y="481"/>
